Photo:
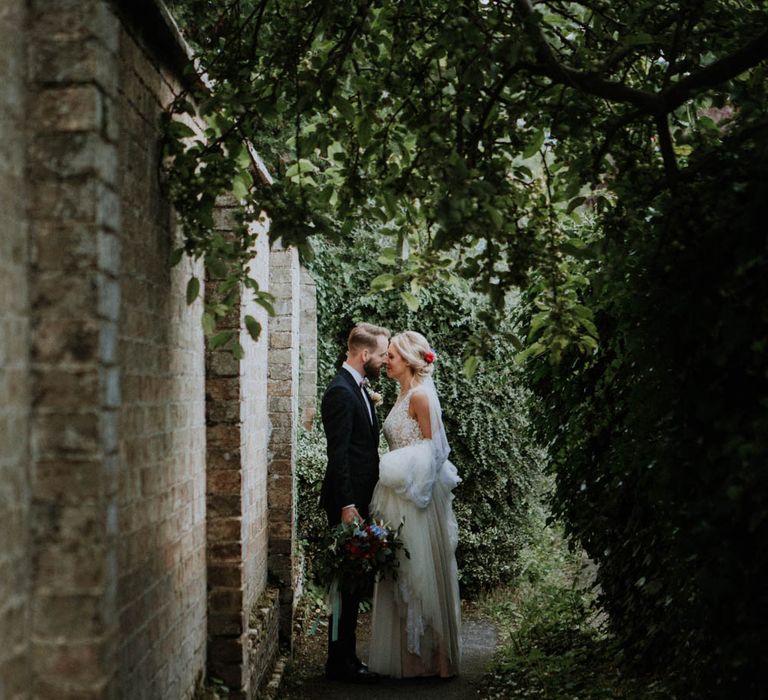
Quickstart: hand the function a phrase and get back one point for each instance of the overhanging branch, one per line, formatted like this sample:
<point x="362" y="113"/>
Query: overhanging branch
<point x="651" y="103"/>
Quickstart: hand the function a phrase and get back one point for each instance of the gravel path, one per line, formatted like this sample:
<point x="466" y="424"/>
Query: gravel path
<point x="305" y="678"/>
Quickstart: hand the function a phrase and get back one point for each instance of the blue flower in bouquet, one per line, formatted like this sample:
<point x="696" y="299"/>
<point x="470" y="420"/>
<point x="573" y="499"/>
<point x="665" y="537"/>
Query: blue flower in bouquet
<point x="379" y="532"/>
<point x="357" y="553"/>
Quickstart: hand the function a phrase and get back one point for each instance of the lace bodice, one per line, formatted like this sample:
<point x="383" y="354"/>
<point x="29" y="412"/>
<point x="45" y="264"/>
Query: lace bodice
<point x="400" y="430"/>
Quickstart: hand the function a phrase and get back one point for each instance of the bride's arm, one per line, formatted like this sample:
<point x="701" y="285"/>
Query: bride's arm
<point x="419" y="410"/>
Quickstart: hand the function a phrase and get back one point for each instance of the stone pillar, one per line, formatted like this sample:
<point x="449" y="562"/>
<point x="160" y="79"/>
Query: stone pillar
<point x="283" y="392"/>
<point x="242" y="614"/>
<point x="14" y="363"/>
<point x="308" y="378"/>
<point x="75" y="257"/>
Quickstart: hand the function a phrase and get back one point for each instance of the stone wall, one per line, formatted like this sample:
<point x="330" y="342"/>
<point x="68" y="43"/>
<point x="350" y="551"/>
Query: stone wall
<point x="308" y="347"/>
<point x="74" y="223"/>
<point x="14" y="364"/>
<point x="145" y="489"/>
<point x="161" y="595"/>
<point x="283" y="392"/>
<point x="237" y="428"/>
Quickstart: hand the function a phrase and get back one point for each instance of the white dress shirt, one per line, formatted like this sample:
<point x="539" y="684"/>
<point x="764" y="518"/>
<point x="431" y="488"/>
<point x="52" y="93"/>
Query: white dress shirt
<point x="359" y="379"/>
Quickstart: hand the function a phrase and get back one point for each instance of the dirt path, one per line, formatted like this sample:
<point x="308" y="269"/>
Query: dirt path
<point x="305" y="679"/>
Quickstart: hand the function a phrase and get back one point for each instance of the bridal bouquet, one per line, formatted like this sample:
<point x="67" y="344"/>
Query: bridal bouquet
<point x="352" y="557"/>
<point x="355" y="553"/>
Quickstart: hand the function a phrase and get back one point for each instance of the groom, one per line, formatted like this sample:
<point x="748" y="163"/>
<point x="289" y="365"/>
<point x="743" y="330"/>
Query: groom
<point x="352" y="433"/>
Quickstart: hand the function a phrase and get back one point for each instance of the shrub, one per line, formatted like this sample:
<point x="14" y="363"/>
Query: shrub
<point x="660" y="441"/>
<point x="485" y="416"/>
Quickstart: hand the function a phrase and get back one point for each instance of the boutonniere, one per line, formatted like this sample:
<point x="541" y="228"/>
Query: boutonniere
<point x="374" y="396"/>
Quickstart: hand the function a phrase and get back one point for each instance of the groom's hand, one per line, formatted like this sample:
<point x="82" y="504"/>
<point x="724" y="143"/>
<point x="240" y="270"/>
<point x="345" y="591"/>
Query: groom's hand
<point x="349" y="515"/>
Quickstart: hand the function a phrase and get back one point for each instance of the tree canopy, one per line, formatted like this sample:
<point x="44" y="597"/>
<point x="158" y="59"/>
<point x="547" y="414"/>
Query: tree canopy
<point x="467" y="130"/>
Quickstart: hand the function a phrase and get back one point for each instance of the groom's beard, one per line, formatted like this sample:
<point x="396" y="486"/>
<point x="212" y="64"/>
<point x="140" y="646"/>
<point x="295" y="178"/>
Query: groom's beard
<point x="371" y="371"/>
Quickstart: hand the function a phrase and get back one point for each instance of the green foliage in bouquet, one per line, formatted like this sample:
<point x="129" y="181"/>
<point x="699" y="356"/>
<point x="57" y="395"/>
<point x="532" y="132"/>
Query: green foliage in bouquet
<point x="354" y="555"/>
<point x="485" y="417"/>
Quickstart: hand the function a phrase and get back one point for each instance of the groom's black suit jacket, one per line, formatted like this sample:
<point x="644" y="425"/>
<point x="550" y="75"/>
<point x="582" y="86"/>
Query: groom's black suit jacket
<point x="353" y="448"/>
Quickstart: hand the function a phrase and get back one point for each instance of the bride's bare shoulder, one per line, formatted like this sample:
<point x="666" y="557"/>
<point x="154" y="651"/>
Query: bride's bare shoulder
<point x="419" y="402"/>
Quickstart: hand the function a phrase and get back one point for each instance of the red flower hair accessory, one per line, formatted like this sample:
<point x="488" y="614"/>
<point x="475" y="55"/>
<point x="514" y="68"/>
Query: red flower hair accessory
<point x="429" y="356"/>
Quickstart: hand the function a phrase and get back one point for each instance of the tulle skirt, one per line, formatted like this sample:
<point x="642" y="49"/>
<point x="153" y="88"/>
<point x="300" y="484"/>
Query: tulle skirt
<point x="417" y="618"/>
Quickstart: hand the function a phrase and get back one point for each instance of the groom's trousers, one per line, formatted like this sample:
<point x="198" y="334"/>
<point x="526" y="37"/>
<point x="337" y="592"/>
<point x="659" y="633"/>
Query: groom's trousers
<point x="342" y="652"/>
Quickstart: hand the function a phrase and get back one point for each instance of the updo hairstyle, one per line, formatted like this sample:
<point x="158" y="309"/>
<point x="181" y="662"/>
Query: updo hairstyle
<point x="413" y="347"/>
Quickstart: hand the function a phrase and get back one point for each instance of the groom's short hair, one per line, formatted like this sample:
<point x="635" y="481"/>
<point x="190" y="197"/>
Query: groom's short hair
<point x="364" y="336"/>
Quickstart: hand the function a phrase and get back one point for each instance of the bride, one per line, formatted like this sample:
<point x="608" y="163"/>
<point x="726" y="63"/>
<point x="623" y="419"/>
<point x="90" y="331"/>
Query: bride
<point x="416" y="618"/>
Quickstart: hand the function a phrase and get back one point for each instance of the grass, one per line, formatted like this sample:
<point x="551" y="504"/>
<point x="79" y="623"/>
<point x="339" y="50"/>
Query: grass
<point x="555" y="644"/>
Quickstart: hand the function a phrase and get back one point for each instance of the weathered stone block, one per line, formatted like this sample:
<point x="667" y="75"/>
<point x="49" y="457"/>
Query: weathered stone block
<point x="225" y="481"/>
<point x="71" y="108"/>
<point x="57" y="155"/>
<point x="225" y="600"/>
<point x="226" y="576"/>
<point x="225" y="623"/>
<point x="73" y="62"/>
<point x="70" y="20"/>
<point x="222" y="389"/>
<point x="223" y="364"/>
<point x="225" y="529"/>
<point x="224" y="436"/>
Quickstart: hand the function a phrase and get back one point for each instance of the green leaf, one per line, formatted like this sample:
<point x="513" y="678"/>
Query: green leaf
<point x="410" y="301"/>
<point x="266" y="304"/>
<point x="176" y="256"/>
<point x="209" y="323"/>
<point x="364" y="132"/>
<point x="220" y="339"/>
<point x="533" y="350"/>
<point x="253" y="327"/>
<point x="180" y="130"/>
<point x="533" y="147"/>
<point x="242" y="184"/>
<point x="237" y="350"/>
<point x="470" y="366"/>
<point x="575" y="202"/>
<point x="708" y="124"/>
<point x="345" y="108"/>
<point x="388" y="256"/>
<point x="382" y="282"/>
<point x="495" y="216"/>
<point x="193" y="289"/>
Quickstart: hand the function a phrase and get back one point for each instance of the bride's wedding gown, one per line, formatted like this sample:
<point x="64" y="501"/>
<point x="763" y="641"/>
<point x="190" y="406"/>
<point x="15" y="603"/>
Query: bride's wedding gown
<point x="416" y="618"/>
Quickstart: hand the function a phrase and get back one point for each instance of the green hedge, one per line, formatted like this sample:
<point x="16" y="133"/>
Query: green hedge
<point x="660" y="442"/>
<point x="485" y="417"/>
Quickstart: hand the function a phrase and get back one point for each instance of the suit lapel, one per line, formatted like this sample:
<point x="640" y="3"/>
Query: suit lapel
<point x="375" y="422"/>
<point x="352" y="383"/>
<point x="363" y="399"/>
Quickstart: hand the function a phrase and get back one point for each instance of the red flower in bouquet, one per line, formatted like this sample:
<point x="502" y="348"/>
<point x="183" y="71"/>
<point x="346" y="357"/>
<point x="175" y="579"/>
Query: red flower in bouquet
<point x="356" y="553"/>
<point x="353" y="557"/>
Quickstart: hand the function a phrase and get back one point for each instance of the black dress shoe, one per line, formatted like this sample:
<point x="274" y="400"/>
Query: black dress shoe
<point x="349" y="673"/>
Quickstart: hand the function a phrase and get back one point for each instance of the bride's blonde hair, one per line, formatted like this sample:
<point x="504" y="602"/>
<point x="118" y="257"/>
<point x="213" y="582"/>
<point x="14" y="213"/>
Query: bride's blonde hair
<point x="414" y="347"/>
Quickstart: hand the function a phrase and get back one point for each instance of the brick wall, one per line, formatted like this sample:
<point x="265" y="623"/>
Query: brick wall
<point x="161" y="553"/>
<point x="255" y="428"/>
<point x="283" y="391"/>
<point x="72" y="170"/>
<point x="236" y="415"/>
<point x="308" y="346"/>
<point x="119" y="501"/>
<point x="14" y="365"/>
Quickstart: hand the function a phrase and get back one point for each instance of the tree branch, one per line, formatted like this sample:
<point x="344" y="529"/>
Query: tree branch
<point x="665" y="144"/>
<point x="728" y="67"/>
<point x="663" y="102"/>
